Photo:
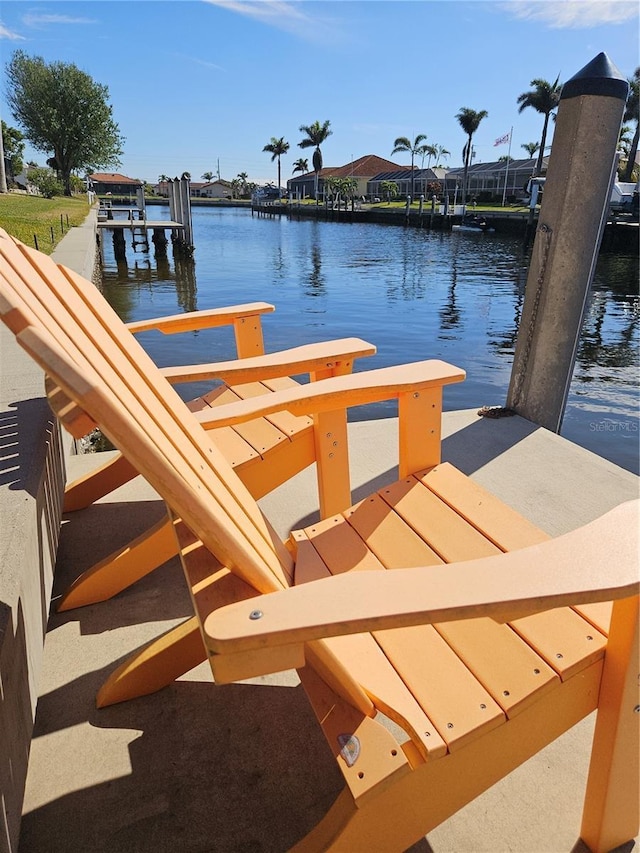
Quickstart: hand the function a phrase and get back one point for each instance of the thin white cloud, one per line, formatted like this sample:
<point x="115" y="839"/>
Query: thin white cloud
<point x="282" y="14"/>
<point x="204" y="62"/>
<point x="36" y="19"/>
<point x="573" y="14"/>
<point x="263" y="10"/>
<point x="6" y="33"/>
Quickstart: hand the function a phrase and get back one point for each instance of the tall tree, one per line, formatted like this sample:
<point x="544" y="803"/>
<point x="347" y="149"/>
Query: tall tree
<point x="441" y="152"/>
<point x="402" y="143"/>
<point x="277" y="147"/>
<point x="301" y="165"/>
<point x="242" y="177"/>
<point x="3" y="176"/>
<point x="13" y="146"/>
<point x="316" y="134"/>
<point x="544" y="98"/>
<point x="530" y="147"/>
<point x="427" y="151"/>
<point x="469" y="120"/>
<point x="63" y="110"/>
<point x="631" y="113"/>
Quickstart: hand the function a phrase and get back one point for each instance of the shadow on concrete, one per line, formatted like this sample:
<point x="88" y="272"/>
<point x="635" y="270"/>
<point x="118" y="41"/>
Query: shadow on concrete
<point x="94" y="533"/>
<point x="22" y="426"/>
<point x="242" y="767"/>
<point x="482" y="441"/>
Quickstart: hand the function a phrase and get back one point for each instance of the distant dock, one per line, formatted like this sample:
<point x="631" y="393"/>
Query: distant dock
<point x="621" y="232"/>
<point x="119" y="220"/>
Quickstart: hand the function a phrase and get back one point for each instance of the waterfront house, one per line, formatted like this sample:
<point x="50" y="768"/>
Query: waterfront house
<point x="114" y="183"/>
<point x="196" y="187"/>
<point x="216" y="189"/>
<point x="363" y="170"/>
<point x="422" y="178"/>
<point x="485" y="181"/>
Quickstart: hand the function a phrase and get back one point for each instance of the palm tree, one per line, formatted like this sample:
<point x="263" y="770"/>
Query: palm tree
<point x="277" y="147"/>
<point x="531" y="147"/>
<point x="402" y="143"/>
<point x="388" y="189"/>
<point x="427" y="151"/>
<point x="631" y="113"/>
<point x="544" y="98"/>
<point x="441" y="152"/>
<point x="163" y="179"/>
<point x="316" y="134"/>
<point x="207" y="176"/>
<point x="469" y="121"/>
<point x="242" y="183"/>
<point x="300" y="165"/>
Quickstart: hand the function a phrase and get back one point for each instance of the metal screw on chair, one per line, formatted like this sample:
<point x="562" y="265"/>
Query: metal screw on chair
<point x="256" y="614"/>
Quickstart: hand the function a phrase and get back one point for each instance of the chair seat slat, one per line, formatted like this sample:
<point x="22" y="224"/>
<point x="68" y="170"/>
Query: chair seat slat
<point x="447" y="533"/>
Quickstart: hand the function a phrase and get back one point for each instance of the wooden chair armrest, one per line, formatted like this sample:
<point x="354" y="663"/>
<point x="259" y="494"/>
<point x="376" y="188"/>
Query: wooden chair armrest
<point x="311" y="358"/>
<point x="597" y="562"/>
<point x="206" y="319"/>
<point x="338" y="392"/>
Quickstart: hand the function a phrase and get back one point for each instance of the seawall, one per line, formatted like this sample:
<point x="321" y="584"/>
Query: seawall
<point x="32" y="478"/>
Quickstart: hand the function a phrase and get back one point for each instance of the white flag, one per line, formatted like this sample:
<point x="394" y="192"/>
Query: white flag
<point x="502" y="139"/>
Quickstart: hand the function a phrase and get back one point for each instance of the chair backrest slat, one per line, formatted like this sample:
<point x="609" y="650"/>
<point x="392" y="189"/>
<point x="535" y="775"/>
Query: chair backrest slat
<point x="146" y="370"/>
<point x="81" y="324"/>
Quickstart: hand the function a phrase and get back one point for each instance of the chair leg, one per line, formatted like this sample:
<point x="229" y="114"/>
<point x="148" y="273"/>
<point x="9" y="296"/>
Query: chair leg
<point x="89" y="488"/>
<point x="155" y="665"/>
<point x="611" y="810"/>
<point x="123" y="567"/>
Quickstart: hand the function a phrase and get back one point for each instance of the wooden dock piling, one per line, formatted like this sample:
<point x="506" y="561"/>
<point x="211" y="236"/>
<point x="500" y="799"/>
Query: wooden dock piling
<point x="136" y="221"/>
<point x="570" y="226"/>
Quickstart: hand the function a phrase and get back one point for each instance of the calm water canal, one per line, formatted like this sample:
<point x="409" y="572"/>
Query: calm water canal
<point x="414" y="294"/>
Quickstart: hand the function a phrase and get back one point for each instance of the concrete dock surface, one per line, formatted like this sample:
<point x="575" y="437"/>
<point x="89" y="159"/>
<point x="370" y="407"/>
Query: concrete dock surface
<point x="244" y="767"/>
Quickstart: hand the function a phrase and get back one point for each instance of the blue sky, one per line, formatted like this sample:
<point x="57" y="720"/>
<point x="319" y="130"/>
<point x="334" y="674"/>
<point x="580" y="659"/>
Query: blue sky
<point x="197" y="82"/>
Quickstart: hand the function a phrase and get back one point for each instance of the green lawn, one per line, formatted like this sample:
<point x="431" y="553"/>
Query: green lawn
<point x="24" y="216"/>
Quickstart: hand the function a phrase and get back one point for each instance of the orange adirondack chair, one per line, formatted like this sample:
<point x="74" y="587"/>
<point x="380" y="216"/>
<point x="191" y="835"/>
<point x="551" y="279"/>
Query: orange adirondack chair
<point x="265" y="452"/>
<point x="481" y="662"/>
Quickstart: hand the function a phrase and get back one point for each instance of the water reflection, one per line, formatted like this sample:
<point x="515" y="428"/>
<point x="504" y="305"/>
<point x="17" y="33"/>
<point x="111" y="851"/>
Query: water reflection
<point x="185" y="279"/>
<point x="414" y="294"/>
<point x="450" y="313"/>
<point x="124" y="280"/>
<point x="316" y="285"/>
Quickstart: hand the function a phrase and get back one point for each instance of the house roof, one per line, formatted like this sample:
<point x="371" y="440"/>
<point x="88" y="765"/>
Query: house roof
<point x="526" y="165"/>
<point x="405" y="175"/>
<point x="220" y="182"/>
<point x="363" y="167"/>
<point x="113" y="178"/>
